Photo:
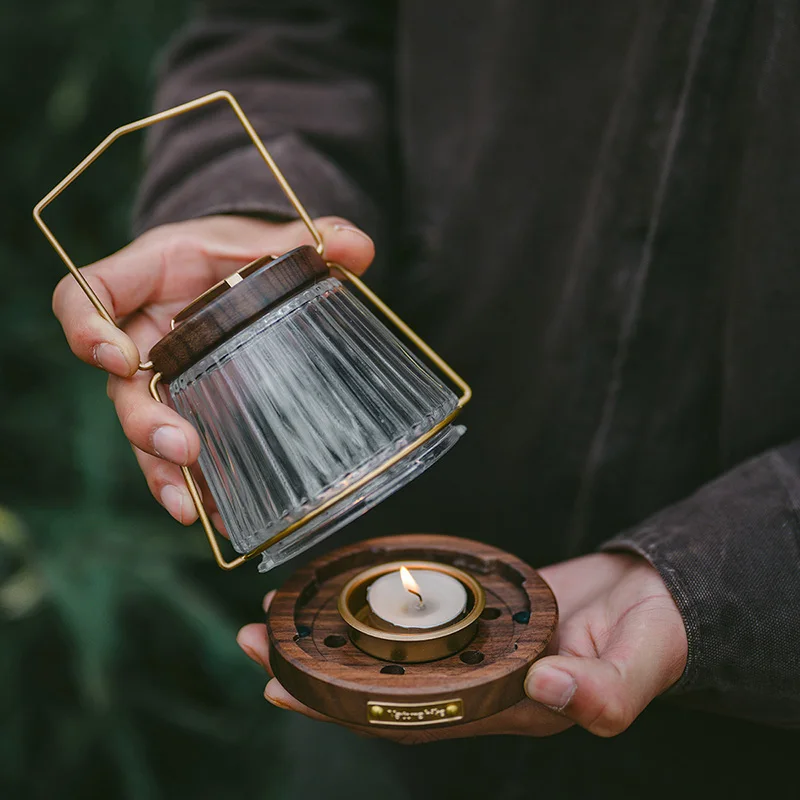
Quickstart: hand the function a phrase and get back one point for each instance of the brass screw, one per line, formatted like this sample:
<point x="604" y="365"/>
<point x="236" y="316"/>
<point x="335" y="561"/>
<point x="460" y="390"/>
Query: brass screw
<point x="376" y="711"/>
<point x="451" y="709"/>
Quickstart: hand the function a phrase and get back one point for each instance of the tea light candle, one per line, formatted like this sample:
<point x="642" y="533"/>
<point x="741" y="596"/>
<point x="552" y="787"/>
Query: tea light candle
<point x="427" y="598"/>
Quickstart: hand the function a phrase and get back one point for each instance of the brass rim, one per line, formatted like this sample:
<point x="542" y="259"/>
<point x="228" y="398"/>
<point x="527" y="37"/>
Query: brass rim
<point x="369" y="575"/>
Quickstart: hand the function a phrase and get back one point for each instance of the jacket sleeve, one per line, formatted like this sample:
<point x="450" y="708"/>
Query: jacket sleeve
<point x="730" y="553"/>
<point x="730" y="556"/>
<point x="314" y="80"/>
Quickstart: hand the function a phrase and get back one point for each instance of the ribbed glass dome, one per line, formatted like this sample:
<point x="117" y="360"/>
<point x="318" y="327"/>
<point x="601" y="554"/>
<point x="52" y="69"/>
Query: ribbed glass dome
<point x="300" y="404"/>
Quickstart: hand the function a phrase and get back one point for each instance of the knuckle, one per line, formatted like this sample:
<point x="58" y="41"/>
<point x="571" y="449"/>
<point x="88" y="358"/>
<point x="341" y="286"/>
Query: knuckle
<point x="81" y="329"/>
<point x="136" y="423"/>
<point x="614" y="717"/>
<point x="181" y="249"/>
<point x="292" y="234"/>
<point x="158" y="476"/>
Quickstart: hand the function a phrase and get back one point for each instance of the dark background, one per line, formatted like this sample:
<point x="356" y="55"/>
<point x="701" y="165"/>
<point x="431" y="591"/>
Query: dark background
<point x="119" y="672"/>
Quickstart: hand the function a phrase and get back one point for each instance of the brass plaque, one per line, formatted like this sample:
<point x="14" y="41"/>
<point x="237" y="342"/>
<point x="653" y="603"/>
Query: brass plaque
<point x="380" y="712"/>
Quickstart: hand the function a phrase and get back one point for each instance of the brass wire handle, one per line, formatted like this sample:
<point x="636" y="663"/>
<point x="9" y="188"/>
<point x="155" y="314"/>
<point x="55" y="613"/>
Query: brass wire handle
<point x="191" y="485"/>
<point x="138" y="125"/>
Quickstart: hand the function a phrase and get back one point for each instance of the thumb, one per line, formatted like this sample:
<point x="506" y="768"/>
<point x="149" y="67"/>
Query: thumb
<point x="592" y="692"/>
<point x="346" y="244"/>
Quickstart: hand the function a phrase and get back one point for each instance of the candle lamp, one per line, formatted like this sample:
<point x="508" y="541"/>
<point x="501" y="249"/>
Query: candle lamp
<point x="314" y="401"/>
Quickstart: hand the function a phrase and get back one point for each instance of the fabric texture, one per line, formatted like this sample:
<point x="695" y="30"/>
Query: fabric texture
<point x="591" y="210"/>
<point x="324" y="125"/>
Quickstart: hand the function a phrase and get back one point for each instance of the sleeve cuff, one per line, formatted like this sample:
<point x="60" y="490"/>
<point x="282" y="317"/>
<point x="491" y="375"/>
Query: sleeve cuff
<point x="646" y="546"/>
<point x="730" y="557"/>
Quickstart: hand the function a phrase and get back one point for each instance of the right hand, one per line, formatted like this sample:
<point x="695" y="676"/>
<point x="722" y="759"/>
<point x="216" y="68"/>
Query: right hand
<point x="146" y="284"/>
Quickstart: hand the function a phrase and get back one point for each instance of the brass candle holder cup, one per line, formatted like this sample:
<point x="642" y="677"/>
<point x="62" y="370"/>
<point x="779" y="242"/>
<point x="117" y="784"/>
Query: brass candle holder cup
<point x="331" y="652"/>
<point x="383" y="640"/>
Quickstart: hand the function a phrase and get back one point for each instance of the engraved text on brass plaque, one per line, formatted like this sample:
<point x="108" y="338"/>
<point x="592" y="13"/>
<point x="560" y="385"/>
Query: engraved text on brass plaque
<point x="381" y="712"/>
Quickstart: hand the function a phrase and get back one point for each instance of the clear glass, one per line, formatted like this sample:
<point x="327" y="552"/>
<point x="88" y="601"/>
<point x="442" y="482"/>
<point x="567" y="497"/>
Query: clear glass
<point x="299" y="405"/>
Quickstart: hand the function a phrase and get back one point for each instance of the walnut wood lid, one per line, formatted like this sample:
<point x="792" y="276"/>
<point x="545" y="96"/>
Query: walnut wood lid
<point x="232" y="304"/>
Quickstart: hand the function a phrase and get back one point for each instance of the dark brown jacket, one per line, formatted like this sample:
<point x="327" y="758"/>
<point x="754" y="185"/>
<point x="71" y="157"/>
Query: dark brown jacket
<point x="592" y="210"/>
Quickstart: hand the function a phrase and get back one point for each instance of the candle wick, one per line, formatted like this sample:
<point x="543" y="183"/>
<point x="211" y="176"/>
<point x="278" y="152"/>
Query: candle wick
<point x="419" y="597"/>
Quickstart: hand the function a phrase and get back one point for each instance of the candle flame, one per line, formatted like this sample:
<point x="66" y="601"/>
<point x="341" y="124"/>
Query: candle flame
<point x="409" y="584"/>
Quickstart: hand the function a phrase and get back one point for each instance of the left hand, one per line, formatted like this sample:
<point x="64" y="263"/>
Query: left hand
<point x="620" y="643"/>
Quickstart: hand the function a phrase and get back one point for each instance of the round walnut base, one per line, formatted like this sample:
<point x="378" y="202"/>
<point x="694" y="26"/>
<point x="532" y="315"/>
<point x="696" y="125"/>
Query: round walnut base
<point x="316" y="662"/>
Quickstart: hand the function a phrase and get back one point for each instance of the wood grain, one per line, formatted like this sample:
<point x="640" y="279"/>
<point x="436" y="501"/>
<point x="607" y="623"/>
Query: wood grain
<point x="337" y="679"/>
<point x="229" y="309"/>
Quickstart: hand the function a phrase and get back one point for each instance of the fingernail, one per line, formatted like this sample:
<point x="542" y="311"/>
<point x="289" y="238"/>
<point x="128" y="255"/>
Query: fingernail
<point x="170" y="443"/>
<point x="353" y="229"/>
<point x="271" y="699"/>
<point x="176" y="500"/>
<point x="110" y="358"/>
<point x="550" y="686"/>
<point x="265" y="603"/>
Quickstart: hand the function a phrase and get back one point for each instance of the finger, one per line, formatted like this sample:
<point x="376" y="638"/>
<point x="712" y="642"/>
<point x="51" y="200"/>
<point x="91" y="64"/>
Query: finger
<point x="176" y="261"/>
<point x="89" y="336"/>
<point x="589" y="691"/>
<point x="152" y="427"/>
<point x="122" y="282"/>
<point x="275" y="694"/>
<point x="167" y="264"/>
<point x="253" y="638"/>
<point x="254" y="642"/>
<point x="167" y="485"/>
<point x="278" y="696"/>
<point x="344" y="243"/>
<point x="229" y="242"/>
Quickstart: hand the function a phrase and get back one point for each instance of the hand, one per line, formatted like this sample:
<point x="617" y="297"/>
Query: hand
<point x="146" y="284"/>
<point x="621" y="642"/>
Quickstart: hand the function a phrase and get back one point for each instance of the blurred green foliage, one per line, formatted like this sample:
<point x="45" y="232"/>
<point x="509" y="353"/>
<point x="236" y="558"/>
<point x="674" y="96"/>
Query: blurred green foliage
<point x="119" y="672"/>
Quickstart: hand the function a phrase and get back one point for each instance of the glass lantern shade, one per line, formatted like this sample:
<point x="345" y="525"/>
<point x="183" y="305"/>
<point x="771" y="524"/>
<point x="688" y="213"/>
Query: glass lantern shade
<point x="303" y="402"/>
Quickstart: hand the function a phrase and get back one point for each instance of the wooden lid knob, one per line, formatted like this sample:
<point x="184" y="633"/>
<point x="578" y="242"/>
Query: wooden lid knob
<point x="232" y="304"/>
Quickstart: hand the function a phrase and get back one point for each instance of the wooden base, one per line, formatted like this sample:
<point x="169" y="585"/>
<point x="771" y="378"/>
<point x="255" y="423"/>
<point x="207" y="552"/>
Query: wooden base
<point x="316" y="662"/>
